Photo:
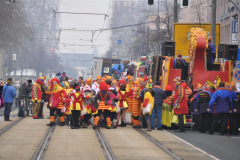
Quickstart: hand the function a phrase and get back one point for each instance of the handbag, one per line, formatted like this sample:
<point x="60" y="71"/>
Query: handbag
<point x="63" y="110"/>
<point x="83" y="111"/>
<point x="55" y="101"/>
<point x="118" y="108"/>
<point x="93" y="109"/>
<point x="127" y="118"/>
<point x="147" y="109"/>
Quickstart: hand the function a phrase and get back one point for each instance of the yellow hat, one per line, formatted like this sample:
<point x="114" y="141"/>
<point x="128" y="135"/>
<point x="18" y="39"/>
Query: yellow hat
<point x="140" y="79"/>
<point x="114" y="81"/>
<point x="177" y="79"/>
<point x="89" y="81"/>
<point x="108" y="77"/>
<point x="233" y="84"/>
<point x="199" y="85"/>
<point x="227" y="84"/>
<point x="129" y="77"/>
<point x="98" y="77"/>
<point x="103" y="79"/>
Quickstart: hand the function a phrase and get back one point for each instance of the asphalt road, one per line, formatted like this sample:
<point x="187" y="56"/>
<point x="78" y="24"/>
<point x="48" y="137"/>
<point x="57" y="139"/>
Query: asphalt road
<point x="12" y="109"/>
<point x="222" y="147"/>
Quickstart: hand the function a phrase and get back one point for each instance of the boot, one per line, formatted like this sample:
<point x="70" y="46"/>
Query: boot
<point x="62" y="123"/>
<point x="84" y="124"/>
<point x="51" y="124"/>
<point x="148" y="125"/>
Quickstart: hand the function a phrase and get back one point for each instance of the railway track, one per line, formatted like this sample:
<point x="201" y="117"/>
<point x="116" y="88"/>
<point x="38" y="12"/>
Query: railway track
<point x="5" y="129"/>
<point x="105" y="146"/>
<point x="160" y="145"/>
<point x="42" y="148"/>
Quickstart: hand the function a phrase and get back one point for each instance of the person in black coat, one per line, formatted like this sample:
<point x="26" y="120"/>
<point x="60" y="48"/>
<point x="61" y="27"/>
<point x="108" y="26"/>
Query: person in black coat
<point x="23" y="92"/>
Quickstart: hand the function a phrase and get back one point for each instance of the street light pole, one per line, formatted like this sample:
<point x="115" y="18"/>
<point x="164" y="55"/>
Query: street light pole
<point x="213" y="23"/>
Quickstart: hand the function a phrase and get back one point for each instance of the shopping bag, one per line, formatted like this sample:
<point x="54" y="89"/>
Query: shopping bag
<point x="93" y="109"/>
<point x="83" y="111"/>
<point x="118" y="108"/>
<point x="147" y="109"/>
<point x="127" y="118"/>
<point x="54" y="101"/>
<point x="63" y="110"/>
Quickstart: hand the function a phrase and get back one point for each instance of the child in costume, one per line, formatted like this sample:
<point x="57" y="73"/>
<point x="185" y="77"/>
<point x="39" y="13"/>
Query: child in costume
<point x="136" y="110"/>
<point x="76" y="107"/>
<point x="122" y="101"/>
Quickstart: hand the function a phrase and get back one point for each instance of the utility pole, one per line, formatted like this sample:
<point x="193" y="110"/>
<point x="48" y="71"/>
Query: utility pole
<point x="175" y="11"/>
<point x="158" y="28"/>
<point x="213" y="23"/>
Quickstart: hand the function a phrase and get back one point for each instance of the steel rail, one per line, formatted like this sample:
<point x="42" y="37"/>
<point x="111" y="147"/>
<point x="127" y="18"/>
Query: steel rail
<point x="42" y="148"/>
<point x="5" y="129"/>
<point x="109" y="155"/>
<point x="159" y="145"/>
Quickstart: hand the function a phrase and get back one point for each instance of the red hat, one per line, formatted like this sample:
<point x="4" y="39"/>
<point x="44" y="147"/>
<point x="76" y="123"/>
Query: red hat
<point x="77" y="89"/>
<point x="103" y="86"/>
<point x="168" y="88"/>
<point x="121" y="81"/>
<point x="55" y="79"/>
<point x="40" y="80"/>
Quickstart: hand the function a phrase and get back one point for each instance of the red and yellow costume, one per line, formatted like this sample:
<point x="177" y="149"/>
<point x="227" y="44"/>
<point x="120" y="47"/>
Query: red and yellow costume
<point x="58" y="94"/>
<point x="102" y="97"/>
<point x="75" y="107"/>
<point x="136" y="104"/>
<point x="130" y="92"/>
<point x="37" y="96"/>
<point x="122" y="101"/>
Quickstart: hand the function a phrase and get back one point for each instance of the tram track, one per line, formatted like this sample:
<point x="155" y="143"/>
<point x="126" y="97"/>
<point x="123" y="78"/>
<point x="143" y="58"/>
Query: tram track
<point x="5" y="129"/>
<point x="42" y="148"/>
<point x="108" y="153"/>
<point x="159" y="145"/>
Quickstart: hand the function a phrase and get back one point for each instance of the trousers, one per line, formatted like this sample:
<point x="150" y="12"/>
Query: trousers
<point x="222" y="117"/>
<point x="75" y="118"/>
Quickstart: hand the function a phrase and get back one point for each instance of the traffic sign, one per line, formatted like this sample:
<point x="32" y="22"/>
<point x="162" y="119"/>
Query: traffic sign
<point x="119" y="41"/>
<point x="237" y="36"/>
<point x="14" y="57"/>
<point x="236" y="75"/>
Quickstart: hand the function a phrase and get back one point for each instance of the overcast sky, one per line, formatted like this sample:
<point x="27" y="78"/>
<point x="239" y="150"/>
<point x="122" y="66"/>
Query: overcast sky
<point x="84" y="22"/>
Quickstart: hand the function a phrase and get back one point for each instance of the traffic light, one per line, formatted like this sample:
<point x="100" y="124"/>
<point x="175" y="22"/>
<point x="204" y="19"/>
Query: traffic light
<point x="150" y="2"/>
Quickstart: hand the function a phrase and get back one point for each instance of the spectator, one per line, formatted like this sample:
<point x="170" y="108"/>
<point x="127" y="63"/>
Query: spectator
<point x="9" y="94"/>
<point x="23" y="91"/>
<point x="17" y="87"/>
<point x="159" y="96"/>
<point x="1" y="97"/>
<point x="223" y="105"/>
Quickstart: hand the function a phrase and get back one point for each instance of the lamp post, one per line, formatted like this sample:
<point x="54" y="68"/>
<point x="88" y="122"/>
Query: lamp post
<point x="15" y="64"/>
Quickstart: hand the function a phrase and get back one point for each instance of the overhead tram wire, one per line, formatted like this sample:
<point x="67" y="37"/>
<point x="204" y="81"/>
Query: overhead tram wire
<point x="96" y="14"/>
<point x="103" y="23"/>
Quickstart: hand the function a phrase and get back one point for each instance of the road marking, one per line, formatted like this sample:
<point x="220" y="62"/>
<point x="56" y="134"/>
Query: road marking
<point x="191" y="145"/>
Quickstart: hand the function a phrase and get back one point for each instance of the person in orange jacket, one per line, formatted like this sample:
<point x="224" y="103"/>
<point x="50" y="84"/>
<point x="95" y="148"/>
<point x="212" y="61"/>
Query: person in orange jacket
<point x="37" y="97"/>
<point x="58" y="95"/>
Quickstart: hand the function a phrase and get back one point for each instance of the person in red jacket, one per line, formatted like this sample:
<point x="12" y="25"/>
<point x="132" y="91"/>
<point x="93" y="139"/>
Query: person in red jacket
<point x="180" y="103"/>
<point x="37" y="97"/>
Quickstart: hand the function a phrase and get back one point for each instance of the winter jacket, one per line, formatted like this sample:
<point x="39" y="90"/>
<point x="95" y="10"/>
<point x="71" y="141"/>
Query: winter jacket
<point x="203" y="98"/>
<point x="237" y="106"/>
<point x="234" y="99"/>
<point x="223" y="101"/>
<point x="9" y="93"/>
<point x="24" y="91"/>
<point x="159" y="96"/>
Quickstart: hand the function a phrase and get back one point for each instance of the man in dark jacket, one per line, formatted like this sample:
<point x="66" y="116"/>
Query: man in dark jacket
<point x="44" y="99"/>
<point x="223" y="105"/>
<point x="23" y="91"/>
<point x="159" y="96"/>
<point x="203" y="98"/>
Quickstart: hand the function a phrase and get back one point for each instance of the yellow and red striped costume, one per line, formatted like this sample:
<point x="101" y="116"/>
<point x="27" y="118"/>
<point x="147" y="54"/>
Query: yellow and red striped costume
<point x="129" y="89"/>
<point x="136" y="105"/>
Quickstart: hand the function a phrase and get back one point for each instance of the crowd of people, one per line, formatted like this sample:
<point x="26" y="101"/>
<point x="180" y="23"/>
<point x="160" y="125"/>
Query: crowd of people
<point x="112" y="103"/>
